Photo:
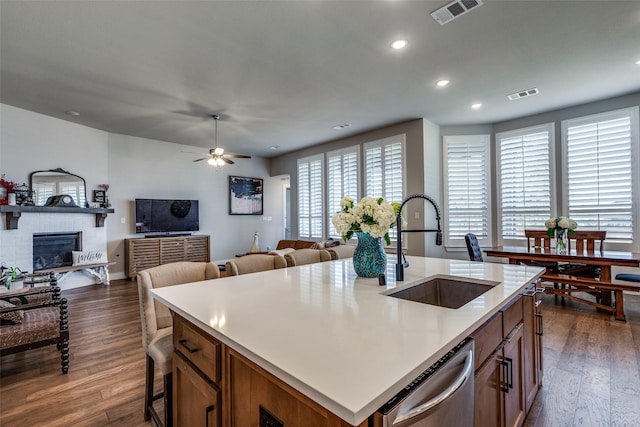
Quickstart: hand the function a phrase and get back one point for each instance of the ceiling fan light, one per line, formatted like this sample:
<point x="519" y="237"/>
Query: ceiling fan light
<point x="219" y="162"/>
<point x="212" y="161"/>
<point x="218" y="151"/>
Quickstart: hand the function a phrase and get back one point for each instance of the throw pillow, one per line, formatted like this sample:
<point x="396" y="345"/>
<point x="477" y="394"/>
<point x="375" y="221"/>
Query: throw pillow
<point x="88" y="257"/>
<point x="12" y="316"/>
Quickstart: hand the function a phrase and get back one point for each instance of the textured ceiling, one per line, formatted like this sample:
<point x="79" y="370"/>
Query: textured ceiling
<point x="286" y="72"/>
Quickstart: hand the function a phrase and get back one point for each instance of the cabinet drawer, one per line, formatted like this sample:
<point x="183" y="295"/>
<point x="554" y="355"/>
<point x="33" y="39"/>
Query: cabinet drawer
<point x="511" y="316"/>
<point x="199" y="348"/>
<point x="487" y="338"/>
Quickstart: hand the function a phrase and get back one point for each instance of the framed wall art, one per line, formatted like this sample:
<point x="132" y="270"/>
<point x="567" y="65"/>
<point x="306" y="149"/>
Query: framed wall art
<point x="245" y="196"/>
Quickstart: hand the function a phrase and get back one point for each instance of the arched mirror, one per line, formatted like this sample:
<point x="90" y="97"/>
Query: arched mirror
<point x="54" y="182"/>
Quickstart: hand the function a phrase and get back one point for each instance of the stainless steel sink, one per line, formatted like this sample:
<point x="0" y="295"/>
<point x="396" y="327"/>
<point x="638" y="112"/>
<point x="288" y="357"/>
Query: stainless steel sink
<point x="444" y="291"/>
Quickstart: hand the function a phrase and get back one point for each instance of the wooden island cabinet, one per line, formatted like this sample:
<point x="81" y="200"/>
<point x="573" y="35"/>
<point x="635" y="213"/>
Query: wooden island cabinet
<point x="202" y="366"/>
<point x="508" y="370"/>
<point x="255" y="349"/>
<point x="508" y="363"/>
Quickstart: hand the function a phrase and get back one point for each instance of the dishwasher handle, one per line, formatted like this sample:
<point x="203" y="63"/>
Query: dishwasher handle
<point x="467" y="371"/>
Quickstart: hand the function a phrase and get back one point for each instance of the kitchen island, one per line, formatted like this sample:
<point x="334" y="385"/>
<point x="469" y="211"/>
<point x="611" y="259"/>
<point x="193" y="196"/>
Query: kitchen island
<point x="336" y="338"/>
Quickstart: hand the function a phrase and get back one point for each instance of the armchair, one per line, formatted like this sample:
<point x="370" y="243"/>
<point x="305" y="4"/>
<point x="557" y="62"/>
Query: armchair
<point x="35" y="316"/>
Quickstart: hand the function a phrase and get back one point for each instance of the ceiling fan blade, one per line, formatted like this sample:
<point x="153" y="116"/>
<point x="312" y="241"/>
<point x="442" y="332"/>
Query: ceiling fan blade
<point x="227" y="161"/>
<point x="199" y="160"/>
<point x="237" y="156"/>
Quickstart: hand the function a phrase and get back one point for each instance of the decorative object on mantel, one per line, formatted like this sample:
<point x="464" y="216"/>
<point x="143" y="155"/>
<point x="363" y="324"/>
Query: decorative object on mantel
<point x="45" y="183"/>
<point x="23" y="195"/>
<point x="104" y="203"/>
<point x="6" y="187"/>
<point x="559" y="227"/>
<point x="370" y="219"/>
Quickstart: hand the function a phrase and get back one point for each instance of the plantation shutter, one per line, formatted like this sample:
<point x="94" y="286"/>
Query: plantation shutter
<point x="310" y="205"/>
<point x="524" y="180"/>
<point x="342" y="181"/>
<point x="467" y="204"/>
<point x="384" y="170"/>
<point x="599" y="155"/>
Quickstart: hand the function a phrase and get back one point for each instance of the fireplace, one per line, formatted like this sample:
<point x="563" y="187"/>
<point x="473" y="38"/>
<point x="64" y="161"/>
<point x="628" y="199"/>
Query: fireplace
<point x="51" y="250"/>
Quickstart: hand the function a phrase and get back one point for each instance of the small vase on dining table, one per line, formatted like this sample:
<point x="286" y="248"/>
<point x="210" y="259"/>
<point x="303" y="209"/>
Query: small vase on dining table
<point x="369" y="258"/>
<point x="561" y="241"/>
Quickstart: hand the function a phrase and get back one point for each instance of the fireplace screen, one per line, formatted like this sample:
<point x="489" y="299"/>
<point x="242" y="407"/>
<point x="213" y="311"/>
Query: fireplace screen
<point x="51" y="250"/>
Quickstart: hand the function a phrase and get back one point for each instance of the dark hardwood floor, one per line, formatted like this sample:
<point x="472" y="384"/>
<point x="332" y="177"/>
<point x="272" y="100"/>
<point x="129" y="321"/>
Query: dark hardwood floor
<point x="591" y="371"/>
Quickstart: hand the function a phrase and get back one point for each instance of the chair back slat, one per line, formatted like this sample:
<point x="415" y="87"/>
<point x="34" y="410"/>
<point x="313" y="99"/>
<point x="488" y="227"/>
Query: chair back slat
<point x="586" y="239"/>
<point x="537" y="239"/>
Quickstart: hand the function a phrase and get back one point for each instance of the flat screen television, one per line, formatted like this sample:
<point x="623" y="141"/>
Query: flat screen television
<point x="166" y="216"/>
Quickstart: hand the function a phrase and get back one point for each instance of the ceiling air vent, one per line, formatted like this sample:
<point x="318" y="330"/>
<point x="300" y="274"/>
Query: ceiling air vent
<point x="454" y="10"/>
<point x="523" y="94"/>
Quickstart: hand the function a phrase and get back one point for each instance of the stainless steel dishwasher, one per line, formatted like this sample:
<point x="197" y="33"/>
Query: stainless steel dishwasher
<point x="441" y="396"/>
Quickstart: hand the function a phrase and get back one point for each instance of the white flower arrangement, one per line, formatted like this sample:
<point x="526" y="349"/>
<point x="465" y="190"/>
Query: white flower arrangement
<point x="560" y="223"/>
<point x="370" y="215"/>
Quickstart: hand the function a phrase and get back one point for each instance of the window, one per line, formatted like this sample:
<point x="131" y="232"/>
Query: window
<point x="384" y="170"/>
<point x="310" y="196"/>
<point x="598" y="152"/>
<point x="524" y="180"/>
<point x="467" y="188"/>
<point x="342" y="180"/>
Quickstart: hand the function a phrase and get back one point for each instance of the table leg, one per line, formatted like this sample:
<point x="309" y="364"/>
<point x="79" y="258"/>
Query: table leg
<point x="605" y="276"/>
<point x="620" y="306"/>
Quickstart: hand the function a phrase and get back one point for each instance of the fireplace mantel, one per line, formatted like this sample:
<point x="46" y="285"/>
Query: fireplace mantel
<point x="12" y="213"/>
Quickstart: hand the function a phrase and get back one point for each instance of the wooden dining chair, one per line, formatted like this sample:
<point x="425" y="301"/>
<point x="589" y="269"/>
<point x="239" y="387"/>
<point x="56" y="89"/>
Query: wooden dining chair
<point x="581" y="241"/>
<point x="589" y="240"/>
<point x="537" y="239"/>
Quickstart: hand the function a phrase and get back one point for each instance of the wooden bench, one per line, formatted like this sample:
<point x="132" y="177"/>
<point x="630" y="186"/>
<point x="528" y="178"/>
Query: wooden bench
<point x="100" y="271"/>
<point x="601" y="289"/>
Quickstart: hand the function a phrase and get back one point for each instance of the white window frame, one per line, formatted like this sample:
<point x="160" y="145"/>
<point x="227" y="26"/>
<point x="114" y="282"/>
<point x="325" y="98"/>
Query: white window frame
<point x="550" y="129"/>
<point x="482" y="140"/>
<point x="382" y="144"/>
<point x="334" y="206"/>
<point x="632" y="113"/>
<point x="318" y="216"/>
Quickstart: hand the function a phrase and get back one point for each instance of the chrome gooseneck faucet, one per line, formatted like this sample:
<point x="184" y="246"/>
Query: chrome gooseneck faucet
<point x="402" y="261"/>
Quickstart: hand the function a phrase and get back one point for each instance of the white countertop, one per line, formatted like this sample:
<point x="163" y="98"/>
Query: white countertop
<point x="334" y="336"/>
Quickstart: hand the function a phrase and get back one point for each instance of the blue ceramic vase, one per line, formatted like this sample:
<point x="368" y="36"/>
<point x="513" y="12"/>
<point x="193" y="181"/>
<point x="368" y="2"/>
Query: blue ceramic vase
<point x="369" y="259"/>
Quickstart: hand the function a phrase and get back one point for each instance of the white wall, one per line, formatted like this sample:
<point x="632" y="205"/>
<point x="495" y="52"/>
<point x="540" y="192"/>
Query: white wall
<point x="137" y="168"/>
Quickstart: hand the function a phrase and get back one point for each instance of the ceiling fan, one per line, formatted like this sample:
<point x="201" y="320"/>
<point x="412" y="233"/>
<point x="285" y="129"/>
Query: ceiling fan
<point x="217" y="157"/>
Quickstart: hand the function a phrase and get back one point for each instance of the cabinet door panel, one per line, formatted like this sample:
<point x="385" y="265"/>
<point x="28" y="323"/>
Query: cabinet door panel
<point x="488" y="393"/>
<point x="514" y="399"/>
<point x="250" y="390"/>
<point x="196" y="401"/>
<point x="531" y="351"/>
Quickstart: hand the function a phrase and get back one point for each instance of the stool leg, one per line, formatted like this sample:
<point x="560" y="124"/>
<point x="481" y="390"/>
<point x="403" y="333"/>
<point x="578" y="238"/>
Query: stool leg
<point x="168" y="400"/>
<point x="148" y="389"/>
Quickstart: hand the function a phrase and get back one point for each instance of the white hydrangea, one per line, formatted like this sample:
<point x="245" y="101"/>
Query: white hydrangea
<point x="370" y="215"/>
<point x="561" y="222"/>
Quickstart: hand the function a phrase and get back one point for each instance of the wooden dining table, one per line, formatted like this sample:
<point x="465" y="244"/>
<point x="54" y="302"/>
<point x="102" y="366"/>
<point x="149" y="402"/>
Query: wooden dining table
<point x="603" y="286"/>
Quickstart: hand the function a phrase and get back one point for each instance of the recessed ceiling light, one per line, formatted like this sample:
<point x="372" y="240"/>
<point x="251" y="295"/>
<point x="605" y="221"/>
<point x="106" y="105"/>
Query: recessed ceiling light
<point x="342" y="126"/>
<point x="274" y="147"/>
<point x="476" y="105"/>
<point x="442" y="83"/>
<point x="399" y="44"/>
<point x="72" y="113"/>
<point x="638" y="62"/>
